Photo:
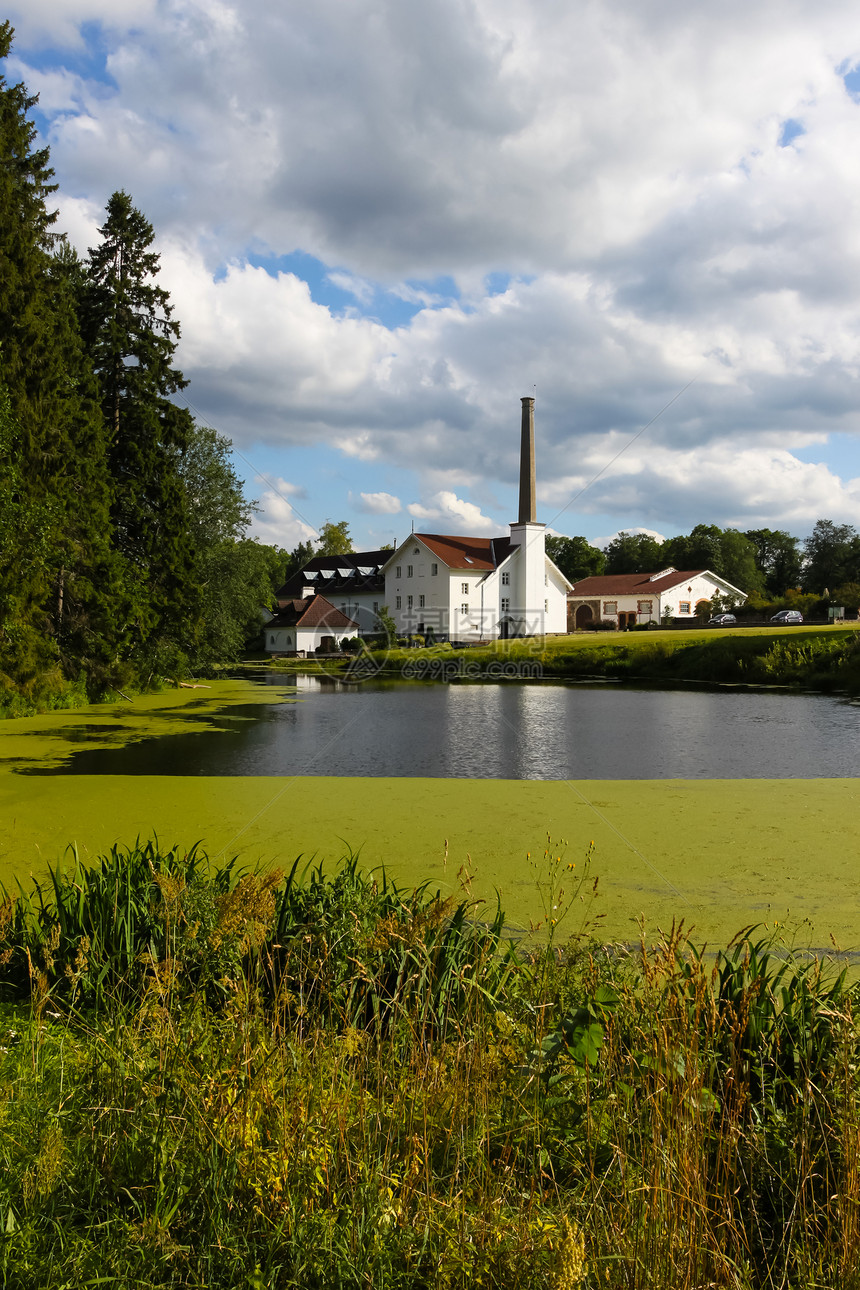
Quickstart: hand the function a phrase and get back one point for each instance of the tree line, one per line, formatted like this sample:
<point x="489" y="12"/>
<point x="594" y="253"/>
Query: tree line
<point x="123" y="525"/>
<point x="767" y="564"/>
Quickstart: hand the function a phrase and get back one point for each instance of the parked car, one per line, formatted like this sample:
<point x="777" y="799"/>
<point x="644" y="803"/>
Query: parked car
<point x="787" y="616"/>
<point x="722" y="620"/>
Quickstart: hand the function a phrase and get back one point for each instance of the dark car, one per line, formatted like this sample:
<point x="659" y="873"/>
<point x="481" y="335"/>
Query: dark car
<point x="722" y="620"/>
<point x="787" y="616"/>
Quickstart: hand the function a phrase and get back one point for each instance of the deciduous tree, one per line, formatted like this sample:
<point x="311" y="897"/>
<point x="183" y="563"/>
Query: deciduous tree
<point x="778" y="557"/>
<point x="575" y="556"/>
<point x="334" y="539"/>
<point x="831" y="556"/>
<point x="634" y="553"/>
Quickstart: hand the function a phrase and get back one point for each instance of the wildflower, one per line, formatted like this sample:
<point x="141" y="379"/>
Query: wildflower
<point x="570" y="1268"/>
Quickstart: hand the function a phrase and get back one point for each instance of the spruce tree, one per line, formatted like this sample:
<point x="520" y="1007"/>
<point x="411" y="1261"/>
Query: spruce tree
<point x="128" y="326"/>
<point x="62" y="594"/>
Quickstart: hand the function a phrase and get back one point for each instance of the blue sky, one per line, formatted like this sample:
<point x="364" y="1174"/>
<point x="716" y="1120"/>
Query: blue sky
<point x="382" y="224"/>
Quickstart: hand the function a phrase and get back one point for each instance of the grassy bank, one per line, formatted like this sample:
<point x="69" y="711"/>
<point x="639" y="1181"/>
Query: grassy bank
<point x="817" y="658"/>
<point x="220" y="1079"/>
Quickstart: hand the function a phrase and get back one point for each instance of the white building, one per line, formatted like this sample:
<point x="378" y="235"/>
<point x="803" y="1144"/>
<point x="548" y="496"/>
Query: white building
<point x="307" y="624"/>
<point x="474" y="589"/>
<point x="631" y="598"/>
<point x="354" y="583"/>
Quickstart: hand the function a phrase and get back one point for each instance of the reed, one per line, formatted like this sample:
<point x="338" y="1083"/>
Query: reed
<point x="212" y="1077"/>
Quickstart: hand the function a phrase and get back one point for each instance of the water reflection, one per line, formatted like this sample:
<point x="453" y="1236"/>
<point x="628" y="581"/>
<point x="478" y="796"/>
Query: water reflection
<point x="549" y="731"/>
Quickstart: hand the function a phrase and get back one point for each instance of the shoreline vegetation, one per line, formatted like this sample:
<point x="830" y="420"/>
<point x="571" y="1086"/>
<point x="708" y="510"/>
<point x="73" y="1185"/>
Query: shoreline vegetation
<point x="815" y="658"/>
<point x="826" y="659"/>
<point x="223" y="1077"/>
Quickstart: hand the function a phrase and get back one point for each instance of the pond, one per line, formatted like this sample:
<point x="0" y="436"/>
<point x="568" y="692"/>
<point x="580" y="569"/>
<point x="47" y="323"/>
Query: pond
<point x="549" y="731"/>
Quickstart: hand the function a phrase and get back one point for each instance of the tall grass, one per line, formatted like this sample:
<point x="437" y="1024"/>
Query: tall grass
<point x="212" y="1077"/>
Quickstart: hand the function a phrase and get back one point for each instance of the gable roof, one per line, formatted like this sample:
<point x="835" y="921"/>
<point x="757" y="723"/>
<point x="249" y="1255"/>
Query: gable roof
<point x="313" y="611"/>
<point x="633" y="584"/>
<point x="481" y="554"/>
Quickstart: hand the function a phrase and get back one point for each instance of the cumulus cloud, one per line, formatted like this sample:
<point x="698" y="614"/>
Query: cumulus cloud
<point x="453" y="515"/>
<point x="276" y="522"/>
<point x="379" y="504"/>
<point x="596" y="203"/>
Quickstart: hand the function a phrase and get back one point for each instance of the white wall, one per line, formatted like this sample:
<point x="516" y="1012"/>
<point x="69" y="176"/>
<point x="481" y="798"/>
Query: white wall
<point x="556" y="589"/>
<point x="360" y="608"/>
<point x="289" y="640"/>
<point x="435" y="612"/>
<point x="529" y="573"/>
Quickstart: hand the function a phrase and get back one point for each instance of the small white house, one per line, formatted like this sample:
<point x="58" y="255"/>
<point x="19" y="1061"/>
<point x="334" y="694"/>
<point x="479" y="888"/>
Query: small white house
<point x="481" y="589"/>
<point x="631" y="598"/>
<point x="306" y="625"/>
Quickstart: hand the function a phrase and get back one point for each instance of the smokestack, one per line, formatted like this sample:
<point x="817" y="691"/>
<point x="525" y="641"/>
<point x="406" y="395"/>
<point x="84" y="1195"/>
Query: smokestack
<point x="527" y="464"/>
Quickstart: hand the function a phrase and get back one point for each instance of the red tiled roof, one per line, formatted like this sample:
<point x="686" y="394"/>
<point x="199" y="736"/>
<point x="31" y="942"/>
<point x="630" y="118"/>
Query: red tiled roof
<point x="483" y="554"/>
<point x="631" y="584"/>
<point x="313" y="611"/>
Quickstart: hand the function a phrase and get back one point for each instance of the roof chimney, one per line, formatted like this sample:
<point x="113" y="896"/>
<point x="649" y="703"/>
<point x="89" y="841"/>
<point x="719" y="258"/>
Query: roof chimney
<point x="527" y="464"/>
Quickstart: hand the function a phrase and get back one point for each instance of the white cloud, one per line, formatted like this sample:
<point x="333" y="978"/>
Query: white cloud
<point x="276" y="523"/>
<point x="604" y="541"/>
<point x="621" y="162"/>
<point x="363" y="290"/>
<point x="453" y="514"/>
<point x="379" y="504"/>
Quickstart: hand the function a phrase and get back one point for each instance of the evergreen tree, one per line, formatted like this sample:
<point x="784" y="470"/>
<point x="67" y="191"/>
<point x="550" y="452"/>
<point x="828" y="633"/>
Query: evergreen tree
<point x="131" y="334"/>
<point x="58" y="442"/>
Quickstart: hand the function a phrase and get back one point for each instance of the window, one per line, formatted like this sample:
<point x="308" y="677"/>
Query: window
<point x="420" y="602"/>
<point x="645" y="606"/>
<point x="464" y="587"/>
<point x="610" y="606"/>
<point x="409" y="570"/>
<point x="464" y="609"/>
<point x="546" y="579"/>
<point x="398" y="572"/>
<point x="376" y="606"/>
<point x="396" y="602"/>
<point x="434" y="569"/>
<point x="506" y="604"/>
<point x="506" y="579"/>
<point x="408" y="602"/>
<point x="684" y="607"/>
<point x="546" y="606"/>
<point x="272" y="640"/>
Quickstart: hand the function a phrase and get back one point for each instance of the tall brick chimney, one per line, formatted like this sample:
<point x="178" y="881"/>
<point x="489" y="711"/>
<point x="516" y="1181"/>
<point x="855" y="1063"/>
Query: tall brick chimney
<point x="528" y="514"/>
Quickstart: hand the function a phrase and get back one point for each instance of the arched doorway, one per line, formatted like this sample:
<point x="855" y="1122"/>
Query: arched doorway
<point x="583" y="616"/>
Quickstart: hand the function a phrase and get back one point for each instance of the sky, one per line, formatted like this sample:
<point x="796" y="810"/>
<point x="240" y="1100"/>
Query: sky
<point x="383" y="222"/>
